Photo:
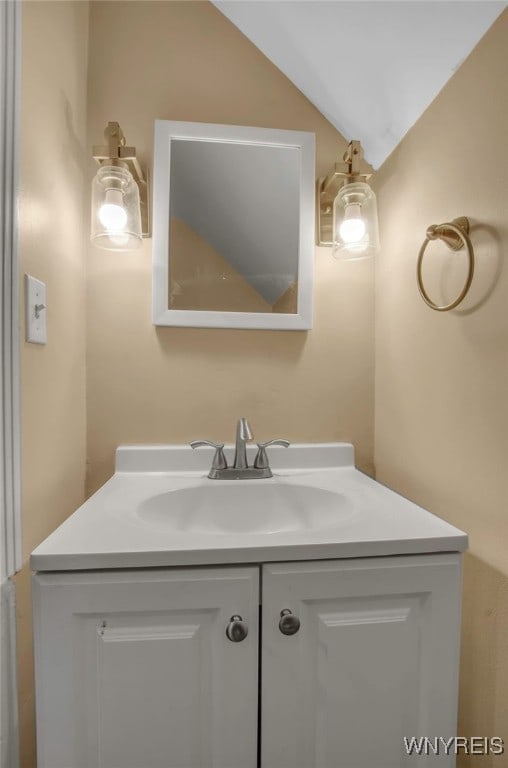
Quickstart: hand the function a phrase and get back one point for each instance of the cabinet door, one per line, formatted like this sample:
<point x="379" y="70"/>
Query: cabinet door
<point x="375" y="660"/>
<point x="134" y="669"/>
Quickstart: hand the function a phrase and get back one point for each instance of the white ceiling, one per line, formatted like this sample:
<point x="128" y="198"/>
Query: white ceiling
<point x="370" y="67"/>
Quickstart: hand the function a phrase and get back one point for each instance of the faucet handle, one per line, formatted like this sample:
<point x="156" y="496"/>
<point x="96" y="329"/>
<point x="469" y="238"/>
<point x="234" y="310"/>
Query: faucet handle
<point x="219" y="460"/>
<point x="261" y="460"/>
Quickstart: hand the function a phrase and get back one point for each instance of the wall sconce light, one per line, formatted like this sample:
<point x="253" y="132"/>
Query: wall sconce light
<point x="119" y="195"/>
<point x="347" y="209"/>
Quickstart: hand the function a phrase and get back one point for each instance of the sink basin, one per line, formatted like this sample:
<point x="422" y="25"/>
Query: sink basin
<point x="160" y="510"/>
<point x="245" y="507"/>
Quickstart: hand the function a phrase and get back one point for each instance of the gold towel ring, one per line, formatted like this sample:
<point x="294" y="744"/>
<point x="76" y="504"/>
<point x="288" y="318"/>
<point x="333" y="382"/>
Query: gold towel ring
<point x="455" y="235"/>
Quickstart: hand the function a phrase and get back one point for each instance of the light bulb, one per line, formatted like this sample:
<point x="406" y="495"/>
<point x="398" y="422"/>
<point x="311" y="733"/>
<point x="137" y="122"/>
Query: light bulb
<point x="352" y="228"/>
<point x="112" y="214"/>
<point x="355" y="230"/>
<point x="115" y="209"/>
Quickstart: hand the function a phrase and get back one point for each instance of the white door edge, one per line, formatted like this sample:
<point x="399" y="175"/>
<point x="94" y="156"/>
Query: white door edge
<point x="10" y="495"/>
<point x="10" y="457"/>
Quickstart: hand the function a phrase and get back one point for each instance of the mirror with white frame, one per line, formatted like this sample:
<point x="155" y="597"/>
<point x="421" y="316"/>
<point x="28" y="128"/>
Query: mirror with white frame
<point x="233" y="226"/>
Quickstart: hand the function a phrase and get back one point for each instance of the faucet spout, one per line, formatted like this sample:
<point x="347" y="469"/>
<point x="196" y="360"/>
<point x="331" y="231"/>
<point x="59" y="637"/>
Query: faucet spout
<point x="243" y="434"/>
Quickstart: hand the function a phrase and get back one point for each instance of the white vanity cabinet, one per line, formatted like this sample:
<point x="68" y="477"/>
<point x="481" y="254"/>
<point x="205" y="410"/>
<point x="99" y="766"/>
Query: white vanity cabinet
<point x="375" y="659"/>
<point x="134" y="668"/>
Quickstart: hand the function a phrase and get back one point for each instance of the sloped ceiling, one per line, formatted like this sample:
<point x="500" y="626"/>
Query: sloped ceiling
<point x="371" y="68"/>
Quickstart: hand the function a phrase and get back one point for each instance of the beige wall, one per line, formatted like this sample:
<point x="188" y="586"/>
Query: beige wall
<point x="185" y="61"/>
<point x="442" y="378"/>
<point x="51" y="243"/>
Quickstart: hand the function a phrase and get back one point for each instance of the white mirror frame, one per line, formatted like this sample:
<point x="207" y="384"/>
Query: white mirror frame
<point x="165" y="132"/>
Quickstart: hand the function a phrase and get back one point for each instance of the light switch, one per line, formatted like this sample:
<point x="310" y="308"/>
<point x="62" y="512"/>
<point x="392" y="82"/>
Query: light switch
<point x="35" y="310"/>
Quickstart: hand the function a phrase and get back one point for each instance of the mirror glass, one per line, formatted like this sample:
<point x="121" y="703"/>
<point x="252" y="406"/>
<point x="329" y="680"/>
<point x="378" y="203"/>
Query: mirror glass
<point x="233" y="238"/>
<point x="233" y="221"/>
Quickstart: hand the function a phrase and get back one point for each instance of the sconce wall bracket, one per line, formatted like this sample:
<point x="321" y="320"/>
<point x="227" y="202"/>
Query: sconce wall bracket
<point x="353" y="168"/>
<point x="449" y="236"/>
<point x="114" y="152"/>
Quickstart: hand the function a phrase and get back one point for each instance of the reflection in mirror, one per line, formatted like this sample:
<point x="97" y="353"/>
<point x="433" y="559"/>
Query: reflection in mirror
<point x="233" y="226"/>
<point x="234" y="210"/>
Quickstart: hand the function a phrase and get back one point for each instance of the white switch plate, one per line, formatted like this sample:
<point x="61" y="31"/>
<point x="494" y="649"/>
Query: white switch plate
<point x="35" y="310"/>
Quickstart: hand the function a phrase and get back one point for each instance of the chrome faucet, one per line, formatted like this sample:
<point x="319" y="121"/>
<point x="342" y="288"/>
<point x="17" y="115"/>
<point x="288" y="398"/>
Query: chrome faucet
<point x="240" y="469"/>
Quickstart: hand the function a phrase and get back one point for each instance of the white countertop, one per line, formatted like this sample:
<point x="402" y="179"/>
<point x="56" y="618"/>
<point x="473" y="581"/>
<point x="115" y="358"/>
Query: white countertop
<point x="107" y="532"/>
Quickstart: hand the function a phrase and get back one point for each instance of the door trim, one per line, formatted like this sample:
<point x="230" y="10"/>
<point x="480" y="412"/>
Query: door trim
<point x="10" y="469"/>
<point x="10" y="454"/>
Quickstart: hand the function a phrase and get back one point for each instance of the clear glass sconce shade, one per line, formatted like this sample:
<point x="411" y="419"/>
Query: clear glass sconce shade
<point x="116" y="216"/>
<point x="355" y="227"/>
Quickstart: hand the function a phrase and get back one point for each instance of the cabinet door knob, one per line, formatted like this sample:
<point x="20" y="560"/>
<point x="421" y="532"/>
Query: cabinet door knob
<point x="289" y="624"/>
<point x="237" y="630"/>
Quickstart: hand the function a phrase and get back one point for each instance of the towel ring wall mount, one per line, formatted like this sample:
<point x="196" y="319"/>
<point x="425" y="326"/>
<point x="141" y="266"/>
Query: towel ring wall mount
<point x="455" y="234"/>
